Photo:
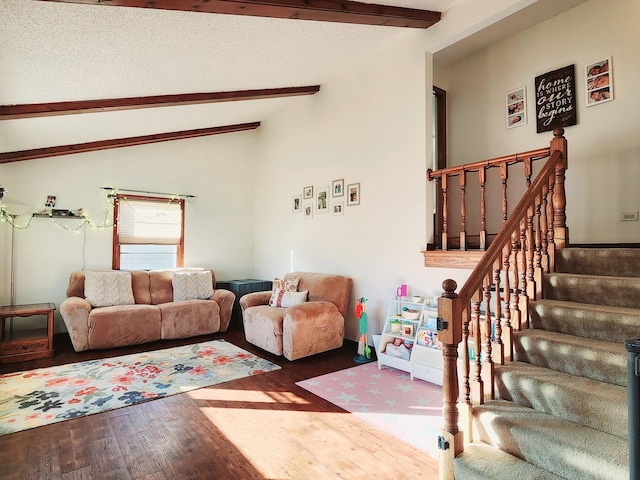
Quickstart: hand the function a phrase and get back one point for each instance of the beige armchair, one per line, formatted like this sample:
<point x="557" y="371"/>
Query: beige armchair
<point x="304" y="329"/>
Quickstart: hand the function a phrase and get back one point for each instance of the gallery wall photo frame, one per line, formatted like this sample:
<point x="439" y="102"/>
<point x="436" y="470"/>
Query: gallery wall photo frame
<point x="308" y="210"/>
<point x="296" y="203"/>
<point x="337" y="188"/>
<point x="516" y="107"/>
<point x="307" y="193"/>
<point x="322" y="200"/>
<point x="353" y="194"/>
<point x="337" y="208"/>
<point x="598" y="82"/>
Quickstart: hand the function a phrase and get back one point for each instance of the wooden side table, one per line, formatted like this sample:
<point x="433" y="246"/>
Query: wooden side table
<point x="20" y="345"/>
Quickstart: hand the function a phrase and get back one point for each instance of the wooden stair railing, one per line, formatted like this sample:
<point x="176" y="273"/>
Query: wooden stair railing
<point x="494" y="300"/>
<point x="446" y="180"/>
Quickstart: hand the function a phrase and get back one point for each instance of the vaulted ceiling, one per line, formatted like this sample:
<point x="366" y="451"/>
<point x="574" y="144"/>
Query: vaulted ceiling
<point x="224" y="62"/>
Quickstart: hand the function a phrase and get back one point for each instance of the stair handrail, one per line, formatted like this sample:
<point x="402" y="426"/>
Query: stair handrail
<point x="516" y="235"/>
<point x="493" y="162"/>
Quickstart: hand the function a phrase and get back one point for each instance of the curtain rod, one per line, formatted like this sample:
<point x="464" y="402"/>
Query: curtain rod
<point x="150" y="193"/>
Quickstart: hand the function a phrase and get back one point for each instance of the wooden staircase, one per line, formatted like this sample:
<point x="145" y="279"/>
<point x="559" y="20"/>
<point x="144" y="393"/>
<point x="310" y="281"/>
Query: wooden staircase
<point x="560" y="408"/>
<point x="534" y="364"/>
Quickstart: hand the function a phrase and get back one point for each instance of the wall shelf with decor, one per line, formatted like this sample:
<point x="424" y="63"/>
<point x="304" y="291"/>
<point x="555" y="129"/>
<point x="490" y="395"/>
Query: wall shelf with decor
<point x="409" y="340"/>
<point x="45" y="215"/>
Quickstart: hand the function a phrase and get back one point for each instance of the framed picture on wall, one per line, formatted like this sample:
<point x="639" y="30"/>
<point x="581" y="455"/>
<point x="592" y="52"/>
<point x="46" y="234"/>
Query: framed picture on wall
<point x="308" y="210"/>
<point x="517" y="107"/>
<point x="599" y="82"/>
<point x="337" y="188"/>
<point x="337" y="208"/>
<point x="353" y="194"/>
<point x="297" y="203"/>
<point x="322" y="200"/>
<point x="307" y="193"/>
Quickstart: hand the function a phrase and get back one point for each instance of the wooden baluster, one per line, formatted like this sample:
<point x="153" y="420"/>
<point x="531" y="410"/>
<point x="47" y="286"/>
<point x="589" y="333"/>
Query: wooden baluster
<point x="515" y="295"/>
<point x="523" y="298"/>
<point x="451" y="438"/>
<point x="507" y="331"/>
<point x="498" y="348"/>
<point x="528" y="170"/>
<point x="504" y="174"/>
<point x="487" y="338"/>
<point x="537" y="273"/>
<point x="445" y="214"/>
<point x="544" y="227"/>
<point x="550" y="231"/>
<point x="561" y="231"/>
<point x="478" y="383"/>
<point x="482" y="177"/>
<point x="531" y="284"/>
<point x="466" y="373"/>
<point x="463" y="211"/>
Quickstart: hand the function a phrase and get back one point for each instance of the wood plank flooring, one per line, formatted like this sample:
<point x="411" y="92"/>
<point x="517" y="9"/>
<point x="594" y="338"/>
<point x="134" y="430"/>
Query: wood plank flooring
<point x="262" y="427"/>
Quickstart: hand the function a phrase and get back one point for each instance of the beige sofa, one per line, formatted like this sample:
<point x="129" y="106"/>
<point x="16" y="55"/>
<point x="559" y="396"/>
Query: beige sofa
<point x="154" y="315"/>
<point x="313" y="326"/>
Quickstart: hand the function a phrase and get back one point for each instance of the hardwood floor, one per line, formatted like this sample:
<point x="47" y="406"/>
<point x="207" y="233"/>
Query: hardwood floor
<point x="261" y="427"/>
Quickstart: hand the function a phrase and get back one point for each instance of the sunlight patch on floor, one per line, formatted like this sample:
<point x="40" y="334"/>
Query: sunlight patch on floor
<point x="250" y="396"/>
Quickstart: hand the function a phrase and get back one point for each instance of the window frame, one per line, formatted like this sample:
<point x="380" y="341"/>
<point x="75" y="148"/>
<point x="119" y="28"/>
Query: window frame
<point x="117" y="198"/>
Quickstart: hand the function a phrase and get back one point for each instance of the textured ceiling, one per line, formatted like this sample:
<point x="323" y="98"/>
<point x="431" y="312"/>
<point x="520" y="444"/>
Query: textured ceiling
<point x="52" y="52"/>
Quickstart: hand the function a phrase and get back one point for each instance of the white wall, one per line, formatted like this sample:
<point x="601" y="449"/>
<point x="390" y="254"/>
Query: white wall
<point x="369" y="126"/>
<point x="604" y="147"/>
<point x="218" y="170"/>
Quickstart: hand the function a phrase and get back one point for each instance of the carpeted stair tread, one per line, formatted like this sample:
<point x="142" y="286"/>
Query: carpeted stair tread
<point x="569" y="450"/>
<point x="480" y="461"/>
<point x="598" y="405"/>
<point x="586" y="357"/>
<point x="602" y="322"/>
<point x="618" y="262"/>
<point x="594" y="289"/>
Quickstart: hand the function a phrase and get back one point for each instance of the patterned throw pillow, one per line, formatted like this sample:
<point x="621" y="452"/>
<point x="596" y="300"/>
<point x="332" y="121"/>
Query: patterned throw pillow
<point x="105" y="289"/>
<point x="192" y="285"/>
<point x="289" y="299"/>
<point x="287" y="284"/>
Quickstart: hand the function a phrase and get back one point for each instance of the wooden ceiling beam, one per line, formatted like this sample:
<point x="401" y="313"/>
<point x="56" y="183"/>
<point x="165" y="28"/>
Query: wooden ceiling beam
<point x="18" y="156"/>
<point x="343" y="11"/>
<point x="9" y="112"/>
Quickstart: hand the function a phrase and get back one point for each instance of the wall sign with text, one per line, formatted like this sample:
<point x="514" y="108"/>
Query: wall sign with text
<point x="556" y="99"/>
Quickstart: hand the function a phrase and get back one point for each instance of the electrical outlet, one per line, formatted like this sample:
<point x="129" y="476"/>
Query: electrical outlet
<point x="629" y="216"/>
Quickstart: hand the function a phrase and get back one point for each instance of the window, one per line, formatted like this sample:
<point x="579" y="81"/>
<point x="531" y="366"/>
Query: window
<point x="148" y="233"/>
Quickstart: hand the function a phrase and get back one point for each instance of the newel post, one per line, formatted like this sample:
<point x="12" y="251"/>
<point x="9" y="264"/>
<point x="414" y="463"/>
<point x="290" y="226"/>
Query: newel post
<point x="450" y="440"/>
<point x="561" y="231"/>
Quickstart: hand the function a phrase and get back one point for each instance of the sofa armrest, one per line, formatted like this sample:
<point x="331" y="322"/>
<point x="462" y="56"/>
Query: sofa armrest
<point x="75" y="313"/>
<point x="225" y="300"/>
<point x="310" y="328"/>
<point x="255" y="298"/>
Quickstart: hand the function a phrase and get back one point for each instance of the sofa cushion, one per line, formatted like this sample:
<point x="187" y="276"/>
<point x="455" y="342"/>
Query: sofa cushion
<point x="286" y="284"/>
<point x="263" y="327"/>
<point x="105" y="289"/>
<point x="282" y="298"/>
<point x="123" y="325"/>
<point x="189" y="318"/>
<point x="331" y="288"/>
<point x="192" y="286"/>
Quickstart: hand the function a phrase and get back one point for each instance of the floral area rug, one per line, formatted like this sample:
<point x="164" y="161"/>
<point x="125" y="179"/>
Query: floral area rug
<point x="47" y="395"/>
<point x="387" y="398"/>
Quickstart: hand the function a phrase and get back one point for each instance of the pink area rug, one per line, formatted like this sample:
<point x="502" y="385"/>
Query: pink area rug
<point x="387" y="398"/>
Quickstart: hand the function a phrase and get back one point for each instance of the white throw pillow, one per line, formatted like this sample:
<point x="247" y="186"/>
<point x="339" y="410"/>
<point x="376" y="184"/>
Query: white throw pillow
<point x="105" y="289"/>
<point x="193" y="285"/>
<point x="285" y="299"/>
